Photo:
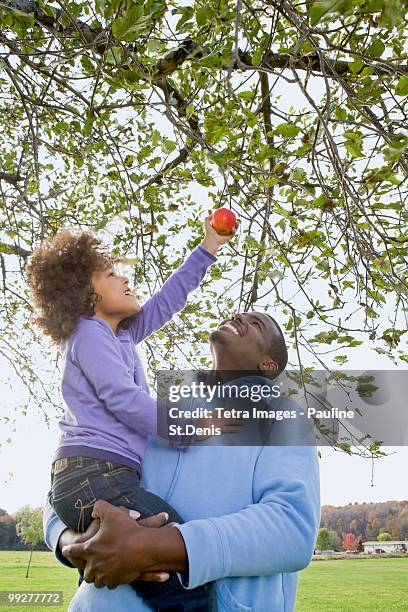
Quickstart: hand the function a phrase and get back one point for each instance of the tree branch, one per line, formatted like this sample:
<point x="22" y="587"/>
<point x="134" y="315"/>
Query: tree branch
<point x="13" y="249"/>
<point x="13" y="179"/>
<point x="188" y="48"/>
<point x="51" y="20"/>
<point x="309" y="62"/>
<point x="181" y="157"/>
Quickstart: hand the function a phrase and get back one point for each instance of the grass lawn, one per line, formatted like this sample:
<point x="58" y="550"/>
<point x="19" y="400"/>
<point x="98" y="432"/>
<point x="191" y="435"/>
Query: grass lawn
<point x="46" y="574"/>
<point x="354" y="585"/>
<point x="343" y="585"/>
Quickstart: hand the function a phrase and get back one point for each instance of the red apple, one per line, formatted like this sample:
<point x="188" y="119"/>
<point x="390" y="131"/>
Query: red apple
<point x="223" y="221"/>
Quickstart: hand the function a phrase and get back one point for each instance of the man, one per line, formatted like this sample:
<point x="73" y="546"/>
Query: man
<point x="252" y="513"/>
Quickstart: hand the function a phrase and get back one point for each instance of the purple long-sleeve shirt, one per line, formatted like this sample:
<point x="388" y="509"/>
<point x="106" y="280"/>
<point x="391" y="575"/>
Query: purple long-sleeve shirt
<point x="109" y="411"/>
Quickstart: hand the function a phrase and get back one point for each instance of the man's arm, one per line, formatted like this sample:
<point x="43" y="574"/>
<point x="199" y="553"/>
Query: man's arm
<point x="172" y="297"/>
<point x="53" y="529"/>
<point x="280" y="529"/>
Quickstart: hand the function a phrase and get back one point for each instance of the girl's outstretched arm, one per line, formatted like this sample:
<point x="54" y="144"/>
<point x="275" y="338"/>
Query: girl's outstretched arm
<point x="172" y="297"/>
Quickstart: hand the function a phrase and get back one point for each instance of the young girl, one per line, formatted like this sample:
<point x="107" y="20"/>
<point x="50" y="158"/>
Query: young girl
<point x="95" y="318"/>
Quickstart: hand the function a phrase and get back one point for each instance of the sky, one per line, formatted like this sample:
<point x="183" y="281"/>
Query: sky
<point x="25" y="465"/>
<point x="26" y="459"/>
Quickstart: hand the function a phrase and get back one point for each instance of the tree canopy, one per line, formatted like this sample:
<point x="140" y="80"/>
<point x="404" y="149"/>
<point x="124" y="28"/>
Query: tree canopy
<point x="369" y="521"/>
<point x="29" y="526"/>
<point x="292" y="113"/>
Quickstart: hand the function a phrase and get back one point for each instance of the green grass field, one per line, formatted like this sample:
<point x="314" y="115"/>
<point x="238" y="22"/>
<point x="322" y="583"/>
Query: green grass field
<point x="346" y="585"/>
<point x="354" y="585"/>
<point x="46" y="574"/>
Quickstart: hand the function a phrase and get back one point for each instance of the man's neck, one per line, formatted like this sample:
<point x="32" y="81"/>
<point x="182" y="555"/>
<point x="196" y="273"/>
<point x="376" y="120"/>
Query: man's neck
<point x="224" y="371"/>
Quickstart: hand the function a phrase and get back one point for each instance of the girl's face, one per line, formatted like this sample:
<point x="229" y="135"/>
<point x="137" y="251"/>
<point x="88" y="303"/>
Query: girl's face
<point x="117" y="301"/>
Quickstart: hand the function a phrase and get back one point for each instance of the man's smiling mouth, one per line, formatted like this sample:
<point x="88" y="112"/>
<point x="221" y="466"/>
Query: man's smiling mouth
<point x="231" y="326"/>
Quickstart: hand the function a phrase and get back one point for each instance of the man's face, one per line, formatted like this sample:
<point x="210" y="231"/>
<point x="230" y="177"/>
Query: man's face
<point x="245" y="340"/>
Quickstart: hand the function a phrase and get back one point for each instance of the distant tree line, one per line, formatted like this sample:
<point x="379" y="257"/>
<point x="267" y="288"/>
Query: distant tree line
<point x="357" y="523"/>
<point x="341" y="527"/>
<point x="22" y="530"/>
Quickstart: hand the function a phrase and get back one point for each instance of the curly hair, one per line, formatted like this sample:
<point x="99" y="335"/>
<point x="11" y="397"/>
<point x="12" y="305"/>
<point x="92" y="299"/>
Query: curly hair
<point x="59" y="274"/>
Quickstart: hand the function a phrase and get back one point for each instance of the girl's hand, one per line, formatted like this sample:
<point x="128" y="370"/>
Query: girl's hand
<point x="213" y="240"/>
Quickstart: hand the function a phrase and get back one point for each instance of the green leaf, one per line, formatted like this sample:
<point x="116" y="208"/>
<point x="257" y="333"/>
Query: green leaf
<point x="374" y="6"/>
<point x="341" y="359"/>
<point x="376" y="48"/>
<point x="153" y="45"/>
<point x="44" y="6"/>
<point x="186" y="13"/>
<point x="325" y="337"/>
<point x="287" y="130"/>
<point x="354" y="143"/>
<point x="340" y="113"/>
<point x="88" y="125"/>
<point x="396" y="148"/>
<point x="319" y="9"/>
<point x="356" y="65"/>
<point x="298" y="174"/>
<point x="344" y="446"/>
<point x="167" y="145"/>
<point x="128" y="161"/>
<point x="143" y="153"/>
<point x="203" y="15"/>
<point x="401" y="89"/>
<point x="108" y="8"/>
<point x="136" y="20"/>
<point x="392" y="14"/>
<point x="114" y="56"/>
<point x="303" y="149"/>
<point x="87" y="64"/>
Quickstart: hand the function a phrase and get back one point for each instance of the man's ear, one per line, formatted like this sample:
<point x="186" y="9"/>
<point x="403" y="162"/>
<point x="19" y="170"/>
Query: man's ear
<point x="268" y="364"/>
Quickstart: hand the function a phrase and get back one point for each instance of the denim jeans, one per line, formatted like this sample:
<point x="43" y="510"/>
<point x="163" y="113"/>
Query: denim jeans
<point x="76" y="484"/>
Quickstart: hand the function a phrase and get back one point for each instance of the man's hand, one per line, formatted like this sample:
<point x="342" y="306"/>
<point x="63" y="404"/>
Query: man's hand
<point x="212" y="240"/>
<point x="156" y="521"/>
<point x="123" y="550"/>
<point x="69" y="536"/>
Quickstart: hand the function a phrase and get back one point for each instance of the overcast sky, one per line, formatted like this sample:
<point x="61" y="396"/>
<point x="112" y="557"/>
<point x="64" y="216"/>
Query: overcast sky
<point x="25" y="461"/>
